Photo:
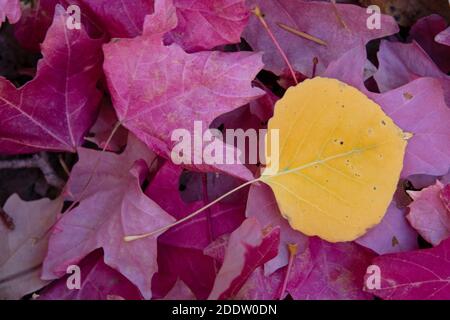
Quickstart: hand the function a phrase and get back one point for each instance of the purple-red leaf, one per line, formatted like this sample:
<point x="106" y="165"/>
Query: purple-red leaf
<point x="161" y="88"/>
<point x="415" y="275"/>
<point x="426" y="33"/>
<point x="180" y="194"/>
<point x="262" y="205"/>
<point x="249" y="247"/>
<point x="98" y="282"/>
<point x="55" y="109"/>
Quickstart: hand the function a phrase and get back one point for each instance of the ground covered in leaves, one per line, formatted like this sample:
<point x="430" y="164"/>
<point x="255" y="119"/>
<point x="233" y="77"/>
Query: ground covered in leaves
<point x="87" y="178"/>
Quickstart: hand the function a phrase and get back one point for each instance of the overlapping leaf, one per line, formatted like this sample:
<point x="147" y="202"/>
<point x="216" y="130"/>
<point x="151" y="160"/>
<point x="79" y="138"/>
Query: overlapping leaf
<point x="55" y="109"/>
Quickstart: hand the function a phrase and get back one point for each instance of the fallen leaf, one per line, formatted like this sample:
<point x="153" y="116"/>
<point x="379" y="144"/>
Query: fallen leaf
<point x="151" y="99"/>
<point x="415" y="275"/>
<point x="316" y="19"/>
<point x="248" y="248"/>
<point x="23" y="249"/>
<point x="401" y="63"/>
<point x="425" y="32"/>
<point x="393" y="234"/>
<point x="425" y="115"/>
<point x="340" y="159"/>
<point x="9" y="9"/>
<point x="180" y="193"/>
<point x="262" y="205"/>
<point x="205" y="24"/>
<point x="444" y="37"/>
<point x="55" y="109"/>
<point x="322" y="271"/>
<point x="98" y="282"/>
<point x="180" y="291"/>
<point x="428" y="214"/>
<point x="111" y="207"/>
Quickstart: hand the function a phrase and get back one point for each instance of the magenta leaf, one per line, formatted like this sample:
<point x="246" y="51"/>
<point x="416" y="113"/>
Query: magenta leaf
<point x="401" y="63"/>
<point x="415" y="275"/>
<point x="262" y="205"/>
<point x="151" y="99"/>
<point x="425" y="32"/>
<point x="112" y="206"/>
<point x="188" y="240"/>
<point x="205" y="24"/>
<point x="321" y="271"/>
<point x="55" y="109"/>
<point x="249" y="247"/>
<point x="98" y="282"/>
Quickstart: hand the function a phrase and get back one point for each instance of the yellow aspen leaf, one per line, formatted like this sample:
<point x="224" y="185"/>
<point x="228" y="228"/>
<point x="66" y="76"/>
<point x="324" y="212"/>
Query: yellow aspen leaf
<point x="340" y="159"/>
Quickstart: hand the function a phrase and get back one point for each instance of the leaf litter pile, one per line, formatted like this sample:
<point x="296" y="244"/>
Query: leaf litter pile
<point x="358" y="207"/>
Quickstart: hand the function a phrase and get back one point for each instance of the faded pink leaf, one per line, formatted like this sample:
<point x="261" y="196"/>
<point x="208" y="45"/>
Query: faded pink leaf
<point x="180" y="291"/>
<point x="392" y="234"/>
<point x="23" y="249"/>
<point x="317" y="19"/>
<point x="9" y="9"/>
<point x="443" y="37"/>
<point x="401" y="63"/>
<point x="428" y="214"/>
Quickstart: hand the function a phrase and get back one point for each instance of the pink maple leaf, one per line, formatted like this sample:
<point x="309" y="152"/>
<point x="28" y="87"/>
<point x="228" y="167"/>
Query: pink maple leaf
<point x="161" y="88"/>
<point x="112" y="206"/>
